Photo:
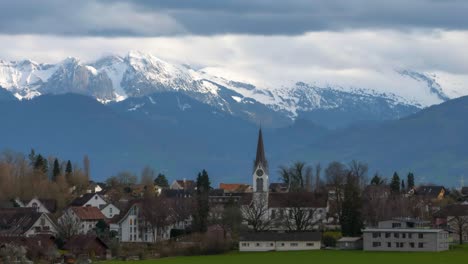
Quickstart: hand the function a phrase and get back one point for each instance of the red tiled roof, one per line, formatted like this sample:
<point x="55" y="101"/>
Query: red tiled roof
<point x="88" y="213"/>
<point x="234" y="187"/>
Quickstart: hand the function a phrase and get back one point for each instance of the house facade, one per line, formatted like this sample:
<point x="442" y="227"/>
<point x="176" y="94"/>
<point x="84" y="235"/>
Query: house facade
<point x="89" y="199"/>
<point x="25" y="222"/>
<point x="272" y="241"/>
<point x="405" y="235"/>
<point x="110" y="210"/>
<point x="85" y="218"/>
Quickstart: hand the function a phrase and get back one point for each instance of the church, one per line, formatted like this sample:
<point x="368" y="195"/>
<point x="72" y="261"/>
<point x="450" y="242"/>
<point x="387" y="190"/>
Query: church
<point x="286" y="211"/>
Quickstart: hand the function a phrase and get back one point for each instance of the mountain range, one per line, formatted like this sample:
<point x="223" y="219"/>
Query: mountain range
<point x="137" y="110"/>
<point x="113" y="79"/>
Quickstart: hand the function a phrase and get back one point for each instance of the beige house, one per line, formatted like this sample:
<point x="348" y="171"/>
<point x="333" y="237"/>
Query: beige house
<point x="272" y="241"/>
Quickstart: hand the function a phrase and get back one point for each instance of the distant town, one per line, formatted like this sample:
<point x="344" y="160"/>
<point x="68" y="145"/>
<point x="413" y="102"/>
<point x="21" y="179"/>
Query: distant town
<point x="51" y="212"/>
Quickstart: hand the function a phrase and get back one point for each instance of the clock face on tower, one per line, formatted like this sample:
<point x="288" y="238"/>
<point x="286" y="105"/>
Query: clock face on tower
<point x="259" y="172"/>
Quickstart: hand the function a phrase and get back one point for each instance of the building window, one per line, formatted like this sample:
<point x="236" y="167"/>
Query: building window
<point x="387" y="235"/>
<point x="376" y="244"/>
<point x="110" y="210"/>
<point x="420" y="235"/>
<point x="411" y="244"/>
<point x="310" y="244"/>
<point x="410" y="235"/>
<point x="273" y="214"/>
<point x="131" y="221"/>
<point x="420" y="245"/>
<point x="403" y="235"/>
<point x="396" y="235"/>
<point x="245" y="244"/>
<point x="396" y="225"/>
<point x="389" y="244"/>
<point x="257" y="245"/>
<point x="282" y="244"/>
<point x="375" y="235"/>
<point x="272" y="244"/>
<point x="42" y="221"/>
<point x="293" y="244"/>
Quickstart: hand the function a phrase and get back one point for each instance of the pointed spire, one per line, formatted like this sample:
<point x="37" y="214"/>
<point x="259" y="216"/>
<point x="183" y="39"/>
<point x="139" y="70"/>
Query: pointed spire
<point x="260" y="159"/>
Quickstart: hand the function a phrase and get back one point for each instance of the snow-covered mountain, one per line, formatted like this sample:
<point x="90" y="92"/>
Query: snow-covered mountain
<point x="115" y="78"/>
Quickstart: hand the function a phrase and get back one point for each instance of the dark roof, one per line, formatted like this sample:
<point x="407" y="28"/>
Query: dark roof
<point x="176" y="193"/>
<point x="49" y="204"/>
<point x="453" y="210"/>
<point x="260" y="159"/>
<point x="186" y="184"/>
<point x="464" y="191"/>
<point x="16" y="221"/>
<point x="80" y="201"/>
<point x="429" y="191"/>
<point x="275" y="236"/>
<point x="83" y="241"/>
<point x="293" y="199"/>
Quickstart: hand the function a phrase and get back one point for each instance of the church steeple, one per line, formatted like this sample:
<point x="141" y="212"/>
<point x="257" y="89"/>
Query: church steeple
<point x="260" y="159"/>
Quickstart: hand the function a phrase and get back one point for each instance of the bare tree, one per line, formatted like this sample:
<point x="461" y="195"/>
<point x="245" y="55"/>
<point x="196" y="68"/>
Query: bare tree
<point x="68" y="225"/>
<point x="299" y="216"/>
<point x="335" y="175"/>
<point x="156" y="213"/>
<point x="297" y="177"/>
<point x="318" y="183"/>
<point x="256" y="215"/>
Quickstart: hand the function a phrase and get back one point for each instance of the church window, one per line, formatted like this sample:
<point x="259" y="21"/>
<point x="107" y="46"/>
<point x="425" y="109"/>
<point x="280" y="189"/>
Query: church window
<point x="259" y="184"/>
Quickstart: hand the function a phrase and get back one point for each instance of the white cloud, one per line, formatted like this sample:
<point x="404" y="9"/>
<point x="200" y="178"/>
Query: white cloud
<point x="359" y="58"/>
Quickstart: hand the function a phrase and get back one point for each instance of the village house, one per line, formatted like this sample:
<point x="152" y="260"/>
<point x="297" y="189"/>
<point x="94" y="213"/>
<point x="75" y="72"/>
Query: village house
<point x="87" y="245"/>
<point x="454" y="218"/>
<point x="349" y="243"/>
<point x="89" y="199"/>
<point x="187" y="185"/>
<point x="273" y="241"/>
<point x="405" y="234"/>
<point x="85" y="218"/>
<point x="235" y="188"/>
<point x="48" y="206"/>
<point x="25" y="222"/>
<point x="110" y="210"/>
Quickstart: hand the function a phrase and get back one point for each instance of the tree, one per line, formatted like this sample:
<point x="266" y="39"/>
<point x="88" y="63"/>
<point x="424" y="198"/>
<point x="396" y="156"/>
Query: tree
<point x="377" y="180"/>
<point x="395" y="184"/>
<point x="86" y="166"/>
<point x="299" y="217"/>
<point x="460" y="225"/>
<point x="202" y="202"/>
<point x="256" y="214"/>
<point x="335" y="175"/>
<point x="318" y="183"/>
<point x="161" y="181"/>
<point x="403" y="188"/>
<point x="68" y="225"/>
<point x="351" y="216"/>
<point x="56" y="171"/>
<point x="32" y="157"/>
<point x="156" y="212"/>
<point x="126" y="178"/>
<point x="296" y="176"/>
<point x="147" y="175"/>
<point x="68" y="171"/>
<point x="410" y="180"/>
<point x="40" y="164"/>
<point x="231" y="218"/>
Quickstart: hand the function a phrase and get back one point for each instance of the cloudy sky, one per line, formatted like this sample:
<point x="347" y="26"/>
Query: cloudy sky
<point x="347" y="42"/>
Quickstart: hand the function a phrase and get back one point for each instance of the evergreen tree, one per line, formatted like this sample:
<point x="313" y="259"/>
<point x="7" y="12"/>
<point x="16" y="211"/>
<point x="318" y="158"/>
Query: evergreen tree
<point x="56" y="170"/>
<point x="395" y="184"/>
<point x="410" y="180"/>
<point x="68" y="171"/>
<point x="377" y="180"/>
<point x="202" y="195"/>
<point x="32" y="157"/>
<point x="403" y="188"/>
<point x="161" y="181"/>
<point x="351" y="218"/>
<point x="40" y="164"/>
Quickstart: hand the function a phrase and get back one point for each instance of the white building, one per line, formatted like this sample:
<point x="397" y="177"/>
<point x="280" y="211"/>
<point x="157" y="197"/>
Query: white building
<point x="271" y="241"/>
<point x="110" y="211"/>
<point x="25" y="222"/>
<point x="89" y="199"/>
<point x="85" y="218"/>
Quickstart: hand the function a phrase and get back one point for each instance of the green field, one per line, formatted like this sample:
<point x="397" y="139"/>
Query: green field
<point x="455" y="256"/>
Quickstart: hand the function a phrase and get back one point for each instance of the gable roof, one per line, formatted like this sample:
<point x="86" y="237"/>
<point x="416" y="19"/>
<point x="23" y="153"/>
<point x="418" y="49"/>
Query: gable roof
<point x="186" y="184"/>
<point x="83" y="199"/>
<point x="83" y="241"/>
<point x="16" y="221"/>
<point x="88" y="213"/>
<point x="49" y="204"/>
<point x="429" y="191"/>
<point x="275" y="236"/>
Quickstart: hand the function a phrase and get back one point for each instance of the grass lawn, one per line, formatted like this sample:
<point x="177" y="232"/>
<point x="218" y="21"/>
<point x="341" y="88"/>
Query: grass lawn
<point x="459" y="255"/>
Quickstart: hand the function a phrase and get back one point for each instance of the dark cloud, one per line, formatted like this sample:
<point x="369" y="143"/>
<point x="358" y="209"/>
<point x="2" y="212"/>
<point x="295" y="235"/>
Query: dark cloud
<point x="207" y="17"/>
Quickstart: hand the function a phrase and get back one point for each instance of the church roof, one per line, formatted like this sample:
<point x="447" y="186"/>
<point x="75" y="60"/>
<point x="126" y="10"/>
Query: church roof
<point x="260" y="158"/>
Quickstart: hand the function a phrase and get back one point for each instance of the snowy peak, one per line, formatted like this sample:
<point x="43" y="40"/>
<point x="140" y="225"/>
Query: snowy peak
<point x="115" y="78"/>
